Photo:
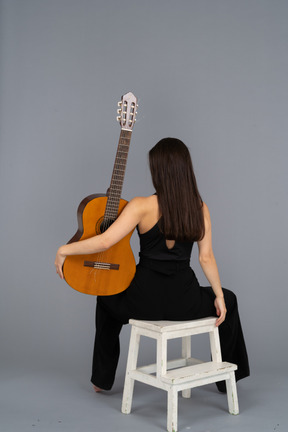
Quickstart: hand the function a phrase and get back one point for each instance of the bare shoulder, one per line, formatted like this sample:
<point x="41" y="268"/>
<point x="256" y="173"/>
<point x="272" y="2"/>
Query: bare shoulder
<point x="206" y="214"/>
<point x="148" y="211"/>
<point x="144" y="203"/>
<point x="205" y="210"/>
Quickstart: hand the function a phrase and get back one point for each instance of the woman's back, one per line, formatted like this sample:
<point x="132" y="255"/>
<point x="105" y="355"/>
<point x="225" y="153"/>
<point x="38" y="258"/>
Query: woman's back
<point x="151" y="215"/>
<point x="152" y="241"/>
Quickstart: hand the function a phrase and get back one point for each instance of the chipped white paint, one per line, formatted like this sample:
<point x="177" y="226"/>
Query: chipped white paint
<point x="181" y="374"/>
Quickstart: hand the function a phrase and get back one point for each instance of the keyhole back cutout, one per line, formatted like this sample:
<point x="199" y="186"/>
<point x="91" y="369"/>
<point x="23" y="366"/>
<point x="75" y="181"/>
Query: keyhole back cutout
<point x="170" y="244"/>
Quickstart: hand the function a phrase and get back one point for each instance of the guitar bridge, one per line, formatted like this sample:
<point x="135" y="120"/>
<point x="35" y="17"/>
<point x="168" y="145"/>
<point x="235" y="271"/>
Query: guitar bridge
<point x="101" y="265"/>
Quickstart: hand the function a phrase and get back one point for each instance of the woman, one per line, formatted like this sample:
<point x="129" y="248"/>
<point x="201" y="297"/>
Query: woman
<point x="164" y="287"/>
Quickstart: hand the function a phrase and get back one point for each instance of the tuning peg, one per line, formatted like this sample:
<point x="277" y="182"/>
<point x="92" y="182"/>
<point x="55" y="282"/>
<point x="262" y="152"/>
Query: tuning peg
<point x="120" y="103"/>
<point x="119" y="110"/>
<point x="118" y="118"/>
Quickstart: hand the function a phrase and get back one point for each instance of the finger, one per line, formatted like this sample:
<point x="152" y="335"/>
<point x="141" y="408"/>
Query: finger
<point x="222" y="318"/>
<point x="59" y="272"/>
<point x="218" y="322"/>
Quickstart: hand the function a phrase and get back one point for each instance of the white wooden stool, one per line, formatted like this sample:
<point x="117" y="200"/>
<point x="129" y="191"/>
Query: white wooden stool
<point x="180" y="374"/>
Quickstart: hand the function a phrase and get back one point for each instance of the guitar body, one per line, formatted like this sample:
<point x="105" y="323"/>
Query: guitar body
<point x="104" y="273"/>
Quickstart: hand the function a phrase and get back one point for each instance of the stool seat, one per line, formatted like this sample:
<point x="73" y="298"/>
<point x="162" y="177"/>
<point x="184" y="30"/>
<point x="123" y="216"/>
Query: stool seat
<point x="166" y="326"/>
<point x="181" y="374"/>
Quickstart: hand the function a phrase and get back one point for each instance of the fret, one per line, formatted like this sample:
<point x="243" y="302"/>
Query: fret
<point x="110" y="215"/>
<point x="108" y="211"/>
<point x="113" y="205"/>
<point x="116" y="176"/>
<point x="115" y="186"/>
<point x="120" y="175"/>
<point x="125" y="153"/>
<point x="123" y="149"/>
<point x="125" y="135"/>
<point x="113" y="211"/>
<point x="119" y="171"/>
<point x="119" y="164"/>
<point x="118" y="167"/>
<point x="114" y="194"/>
<point x="114" y="198"/>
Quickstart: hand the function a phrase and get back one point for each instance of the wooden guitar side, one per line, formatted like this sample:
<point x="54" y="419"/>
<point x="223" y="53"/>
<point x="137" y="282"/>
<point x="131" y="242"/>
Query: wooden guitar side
<point x="89" y="280"/>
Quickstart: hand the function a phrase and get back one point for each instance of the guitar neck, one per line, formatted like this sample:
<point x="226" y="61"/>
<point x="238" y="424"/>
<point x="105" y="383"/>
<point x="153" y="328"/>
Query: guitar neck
<point x="117" y="179"/>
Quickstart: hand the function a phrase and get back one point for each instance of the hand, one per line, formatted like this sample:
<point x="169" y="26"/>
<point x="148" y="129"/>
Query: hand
<point x="220" y="310"/>
<point x="59" y="261"/>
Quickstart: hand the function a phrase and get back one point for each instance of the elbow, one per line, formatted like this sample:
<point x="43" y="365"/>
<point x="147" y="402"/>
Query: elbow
<point x="206" y="258"/>
<point x="105" y="242"/>
<point x="104" y="245"/>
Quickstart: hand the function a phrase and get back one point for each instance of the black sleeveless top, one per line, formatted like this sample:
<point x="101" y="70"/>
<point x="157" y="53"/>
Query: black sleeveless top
<point x="153" y="246"/>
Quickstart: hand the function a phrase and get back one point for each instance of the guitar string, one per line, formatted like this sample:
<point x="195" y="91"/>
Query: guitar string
<point x="110" y="213"/>
<point x="108" y="210"/>
<point x="117" y="165"/>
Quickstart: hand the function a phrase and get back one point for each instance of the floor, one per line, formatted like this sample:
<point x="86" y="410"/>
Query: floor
<point x="53" y="401"/>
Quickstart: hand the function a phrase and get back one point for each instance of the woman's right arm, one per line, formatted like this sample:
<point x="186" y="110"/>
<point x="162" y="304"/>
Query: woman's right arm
<point x="209" y="266"/>
<point x="123" y="225"/>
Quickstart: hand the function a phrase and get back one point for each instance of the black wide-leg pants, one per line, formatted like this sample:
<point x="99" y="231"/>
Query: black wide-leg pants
<point x="169" y="294"/>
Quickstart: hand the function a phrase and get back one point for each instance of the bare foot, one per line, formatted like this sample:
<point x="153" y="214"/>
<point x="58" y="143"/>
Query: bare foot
<point x="97" y="389"/>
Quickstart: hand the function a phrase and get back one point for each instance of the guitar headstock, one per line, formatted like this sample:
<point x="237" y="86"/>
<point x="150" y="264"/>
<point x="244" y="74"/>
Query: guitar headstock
<point x="127" y="111"/>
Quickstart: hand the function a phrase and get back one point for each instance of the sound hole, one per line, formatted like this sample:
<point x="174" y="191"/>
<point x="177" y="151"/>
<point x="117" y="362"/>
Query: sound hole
<point x="103" y="224"/>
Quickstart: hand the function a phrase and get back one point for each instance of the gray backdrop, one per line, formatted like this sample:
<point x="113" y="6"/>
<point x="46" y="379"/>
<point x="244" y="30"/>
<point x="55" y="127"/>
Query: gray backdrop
<point x="212" y="73"/>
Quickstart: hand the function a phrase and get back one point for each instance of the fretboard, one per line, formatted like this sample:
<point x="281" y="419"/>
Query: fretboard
<point x="116" y="185"/>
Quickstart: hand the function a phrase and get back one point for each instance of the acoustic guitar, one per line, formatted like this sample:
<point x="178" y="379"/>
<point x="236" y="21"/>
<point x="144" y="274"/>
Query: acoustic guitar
<point x="109" y="272"/>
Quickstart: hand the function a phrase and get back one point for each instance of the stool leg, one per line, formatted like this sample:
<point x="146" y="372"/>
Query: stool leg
<point x="215" y="345"/>
<point x="172" y="413"/>
<point x="186" y="353"/>
<point x="232" y="395"/>
<point x="161" y="356"/>
<point x="131" y="365"/>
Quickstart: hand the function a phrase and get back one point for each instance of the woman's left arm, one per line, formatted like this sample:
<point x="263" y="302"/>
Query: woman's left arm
<point x="123" y="225"/>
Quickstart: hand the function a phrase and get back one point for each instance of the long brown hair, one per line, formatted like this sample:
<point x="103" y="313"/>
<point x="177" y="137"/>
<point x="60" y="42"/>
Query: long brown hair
<point x="180" y="203"/>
